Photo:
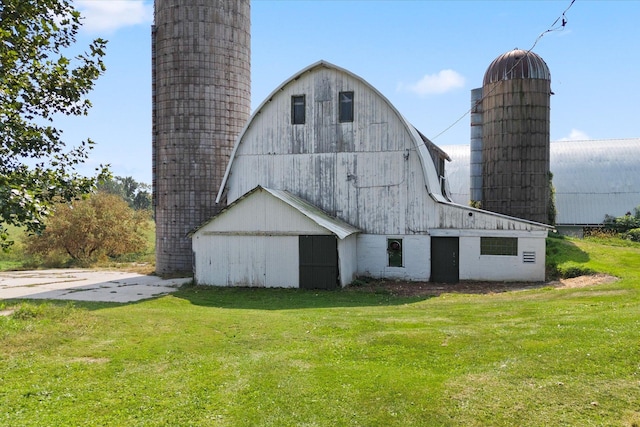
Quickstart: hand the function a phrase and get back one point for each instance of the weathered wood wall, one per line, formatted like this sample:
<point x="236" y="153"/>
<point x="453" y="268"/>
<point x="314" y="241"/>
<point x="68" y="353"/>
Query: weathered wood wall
<point x="368" y="173"/>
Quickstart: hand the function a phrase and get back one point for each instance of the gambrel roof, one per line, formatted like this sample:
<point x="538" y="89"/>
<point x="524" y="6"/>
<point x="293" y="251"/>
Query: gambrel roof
<point x="377" y="172"/>
<point x="423" y="146"/>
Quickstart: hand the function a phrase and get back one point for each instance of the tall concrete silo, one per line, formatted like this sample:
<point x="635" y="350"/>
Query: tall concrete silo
<point x="201" y="101"/>
<point x="515" y="136"/>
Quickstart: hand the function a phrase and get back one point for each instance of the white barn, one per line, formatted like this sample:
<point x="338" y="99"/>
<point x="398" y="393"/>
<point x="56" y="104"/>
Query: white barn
<point x="328" y="181"/>
<point x="592" y="179"/>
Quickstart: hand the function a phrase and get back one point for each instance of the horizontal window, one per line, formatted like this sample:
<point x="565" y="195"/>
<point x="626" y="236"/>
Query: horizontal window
<point x="499" y="246"/>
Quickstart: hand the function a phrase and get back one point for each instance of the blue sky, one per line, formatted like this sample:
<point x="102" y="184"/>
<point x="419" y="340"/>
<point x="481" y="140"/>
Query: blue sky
<point x="424" y="56"/>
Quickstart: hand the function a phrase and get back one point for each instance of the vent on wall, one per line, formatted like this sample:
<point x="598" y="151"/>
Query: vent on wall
<point x="529" y="257"/>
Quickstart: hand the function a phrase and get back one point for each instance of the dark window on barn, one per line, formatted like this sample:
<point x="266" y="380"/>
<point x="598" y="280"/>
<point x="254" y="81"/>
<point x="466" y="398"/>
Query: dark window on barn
<point x="499" y="246"/>
<point x="346" y="106"/>
<point x="298" y="109"/>
<point x="394" y="250"/>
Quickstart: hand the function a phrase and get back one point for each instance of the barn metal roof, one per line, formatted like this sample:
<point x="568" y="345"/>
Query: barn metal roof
<point x="336" y="226"/>
<point x="517" y="64"/>
<point x="592" y="178"/>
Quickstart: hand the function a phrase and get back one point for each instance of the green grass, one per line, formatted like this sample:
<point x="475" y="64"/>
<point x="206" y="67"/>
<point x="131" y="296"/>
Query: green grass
<point x="241" y="357"/>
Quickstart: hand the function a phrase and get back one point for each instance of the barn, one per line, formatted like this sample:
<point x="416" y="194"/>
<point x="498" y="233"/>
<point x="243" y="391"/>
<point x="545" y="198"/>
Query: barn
<point x="328" y="179"/>
<point x="592" y="178"/>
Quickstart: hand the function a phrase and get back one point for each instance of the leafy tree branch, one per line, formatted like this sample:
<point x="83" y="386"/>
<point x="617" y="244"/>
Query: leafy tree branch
<point x="38" y="82"/>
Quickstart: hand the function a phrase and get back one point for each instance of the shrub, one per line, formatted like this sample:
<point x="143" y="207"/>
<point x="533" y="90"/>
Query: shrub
<point x="575" y="271"/>
<point x="633" y="235"/>
<point x="100" y="226"/>
<point x="623" y="224"/>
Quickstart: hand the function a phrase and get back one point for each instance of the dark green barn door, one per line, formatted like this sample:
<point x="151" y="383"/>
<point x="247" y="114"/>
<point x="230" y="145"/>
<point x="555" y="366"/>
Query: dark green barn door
<point x="318" y="262"/>
<point x="445" y="259"/>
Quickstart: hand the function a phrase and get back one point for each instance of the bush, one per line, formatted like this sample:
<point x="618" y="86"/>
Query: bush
<point x="623" y="224"/>
<point x="633" y="235"/>
<point x="100" y="226"/>
<point x="574" y="271"/>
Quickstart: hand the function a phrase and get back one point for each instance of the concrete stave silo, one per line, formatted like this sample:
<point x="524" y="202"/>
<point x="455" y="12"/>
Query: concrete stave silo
<point x="516" y="136"/>
<point x="201" y="101"/>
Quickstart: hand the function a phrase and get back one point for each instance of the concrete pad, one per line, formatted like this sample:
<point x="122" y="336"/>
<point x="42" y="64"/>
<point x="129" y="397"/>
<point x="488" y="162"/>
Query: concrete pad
<point x="85" y="285"/>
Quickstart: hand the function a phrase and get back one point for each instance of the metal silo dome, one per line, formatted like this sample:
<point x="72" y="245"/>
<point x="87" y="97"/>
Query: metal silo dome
<point x="517" y="64"/>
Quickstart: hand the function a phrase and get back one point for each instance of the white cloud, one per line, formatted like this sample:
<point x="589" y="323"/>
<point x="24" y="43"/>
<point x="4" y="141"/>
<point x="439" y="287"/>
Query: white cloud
<point x="441" y="82"/>
<point x="576" y="135"/>
<point x="110" y="15"/>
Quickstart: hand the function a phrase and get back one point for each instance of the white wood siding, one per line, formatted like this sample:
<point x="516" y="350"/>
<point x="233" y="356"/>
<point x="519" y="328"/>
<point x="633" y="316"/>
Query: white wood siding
<point x="253" y="244"/>
<point x="261" y="213"/>
<point x="368" y="173"/>
<point x="256" y="261"/>
<point x="374" y="174"/>
<point x="347" y="259"/>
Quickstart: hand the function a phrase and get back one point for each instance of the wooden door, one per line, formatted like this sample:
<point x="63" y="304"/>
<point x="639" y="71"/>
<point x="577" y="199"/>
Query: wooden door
<point x="318" y="262"/>
<point x="445" y="254"/>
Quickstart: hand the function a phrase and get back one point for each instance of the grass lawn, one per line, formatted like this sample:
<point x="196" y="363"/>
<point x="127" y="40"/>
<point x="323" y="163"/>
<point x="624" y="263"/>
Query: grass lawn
<point x="238" y="357"/>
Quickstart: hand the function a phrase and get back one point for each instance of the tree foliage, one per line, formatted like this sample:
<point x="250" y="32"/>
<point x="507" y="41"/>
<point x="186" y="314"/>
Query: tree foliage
<point x="626" y="226"/>
<point x="38" y="82"/>
<point x="136" y="194"/>
<point x="623" y="224"/>
<point x="552" y="212"/>
<point x="91" y="228"/>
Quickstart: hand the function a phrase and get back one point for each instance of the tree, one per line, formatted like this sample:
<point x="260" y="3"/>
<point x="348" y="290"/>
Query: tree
<point x="88" y="229"/>
<point x="135" y="193"/>
<point x="38" y="82"/>
<point x="623" y="224"/>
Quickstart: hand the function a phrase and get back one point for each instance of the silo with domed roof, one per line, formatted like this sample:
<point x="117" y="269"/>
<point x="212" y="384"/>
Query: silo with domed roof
<point x="516" y="96"/>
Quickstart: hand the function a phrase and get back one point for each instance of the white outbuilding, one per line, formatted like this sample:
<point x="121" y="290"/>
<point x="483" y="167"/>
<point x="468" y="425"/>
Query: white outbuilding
<point x="328" y="182"/>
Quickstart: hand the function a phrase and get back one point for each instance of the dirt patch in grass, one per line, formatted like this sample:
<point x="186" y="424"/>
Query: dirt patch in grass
<point x="583" y="281"/>
<point x="418" y="289"/>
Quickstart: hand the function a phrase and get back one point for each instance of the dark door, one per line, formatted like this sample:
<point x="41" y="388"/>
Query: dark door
<point x="318" y="262"/>
<point x="444" y="259"/>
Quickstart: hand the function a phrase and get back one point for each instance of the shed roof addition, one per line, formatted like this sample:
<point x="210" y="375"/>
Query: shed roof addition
<point x="335" y="226"/>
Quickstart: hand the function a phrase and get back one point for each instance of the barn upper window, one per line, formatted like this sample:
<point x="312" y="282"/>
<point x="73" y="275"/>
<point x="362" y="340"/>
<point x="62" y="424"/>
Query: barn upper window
<point x="298" y="104"/>
<point x="499" y="246"/>
<point x="346" y="106"/>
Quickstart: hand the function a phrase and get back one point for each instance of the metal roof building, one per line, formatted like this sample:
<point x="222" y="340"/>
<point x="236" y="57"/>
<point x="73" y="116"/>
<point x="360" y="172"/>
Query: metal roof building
<point x="328" y="182"/>
<point x="592" y="179"/>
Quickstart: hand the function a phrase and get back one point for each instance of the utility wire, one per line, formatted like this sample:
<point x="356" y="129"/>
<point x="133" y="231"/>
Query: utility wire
<point x="558" y="25"/>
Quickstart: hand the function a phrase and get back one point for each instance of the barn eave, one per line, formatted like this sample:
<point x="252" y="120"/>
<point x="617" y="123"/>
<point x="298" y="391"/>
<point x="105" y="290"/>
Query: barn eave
<point x="335" y="226"/>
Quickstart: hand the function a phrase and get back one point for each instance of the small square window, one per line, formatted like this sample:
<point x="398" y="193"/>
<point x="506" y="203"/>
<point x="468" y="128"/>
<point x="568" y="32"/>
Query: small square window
<point x="346" y="106"/>
<point x="298" y="105"/>
<point x="394" y="251"/>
